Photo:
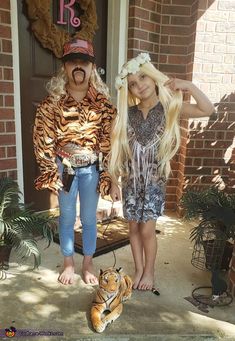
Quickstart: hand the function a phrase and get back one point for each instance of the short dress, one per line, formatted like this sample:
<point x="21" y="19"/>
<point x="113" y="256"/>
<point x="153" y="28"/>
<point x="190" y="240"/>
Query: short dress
<point x="143" y="190"/>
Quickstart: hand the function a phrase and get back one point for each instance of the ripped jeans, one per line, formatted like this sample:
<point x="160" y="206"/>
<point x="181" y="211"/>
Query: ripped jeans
<point x="85" y="184"/>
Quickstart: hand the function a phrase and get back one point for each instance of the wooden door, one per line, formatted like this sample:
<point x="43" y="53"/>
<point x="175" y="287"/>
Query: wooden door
<point x="37" y="65"/>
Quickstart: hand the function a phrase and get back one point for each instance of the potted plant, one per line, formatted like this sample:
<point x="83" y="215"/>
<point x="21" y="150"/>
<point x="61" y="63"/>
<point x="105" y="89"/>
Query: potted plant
<point x="21" y="227"/>
<point x="215" y="231"/>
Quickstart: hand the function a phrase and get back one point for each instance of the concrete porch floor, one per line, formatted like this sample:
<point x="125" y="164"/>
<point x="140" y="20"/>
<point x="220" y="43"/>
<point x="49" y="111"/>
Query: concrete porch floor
<point x="34" y="300"/>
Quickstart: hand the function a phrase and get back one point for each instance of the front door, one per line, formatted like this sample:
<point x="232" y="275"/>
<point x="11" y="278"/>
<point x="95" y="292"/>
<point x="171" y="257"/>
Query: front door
<point x="37" y="65"/>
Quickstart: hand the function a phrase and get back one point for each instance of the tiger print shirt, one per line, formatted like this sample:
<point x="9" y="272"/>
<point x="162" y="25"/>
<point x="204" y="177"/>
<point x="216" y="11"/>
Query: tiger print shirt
<point x="86" y="123"/>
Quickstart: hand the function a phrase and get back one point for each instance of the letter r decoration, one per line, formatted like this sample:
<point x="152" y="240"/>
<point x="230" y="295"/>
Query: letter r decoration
<point x="74" y="21"/>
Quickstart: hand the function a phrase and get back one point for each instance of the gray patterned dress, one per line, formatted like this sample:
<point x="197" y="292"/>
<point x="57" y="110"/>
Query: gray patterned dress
<point x="143" y="191"/>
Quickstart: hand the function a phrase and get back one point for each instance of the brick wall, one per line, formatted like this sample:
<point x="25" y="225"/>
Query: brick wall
<point x="144" y="28"/>
<point x="178" y="26"/>
<point x="7" y="123"/>
<point x="210" y="150"/>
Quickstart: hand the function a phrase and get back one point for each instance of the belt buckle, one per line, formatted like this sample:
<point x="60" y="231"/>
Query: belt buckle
<point x="77" y="161"/>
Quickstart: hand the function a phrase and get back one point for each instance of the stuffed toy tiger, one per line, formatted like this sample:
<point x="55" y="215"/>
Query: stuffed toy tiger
<point x="114" y="288"/>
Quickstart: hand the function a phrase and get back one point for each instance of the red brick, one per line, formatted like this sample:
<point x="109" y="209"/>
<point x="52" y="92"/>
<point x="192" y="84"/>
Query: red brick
<point x="8" y="164"/>
<point x="177" y="59"/>
<point x="5" y="17"/>
<point x="10" y="126"/>
<point x="133" y="44"/>
<point x="134" y="2"/>
<point x="6" y="87"/>
<point x="173" y="49"/>
<point x="165" y="19"/>
<point x="149" y="4"/>
<point x="172" y="69"/>
<point x="134" y="33"/>
<point x="177" y="40"/>
<point x="12" y="174"/>
<point x="2" y="127"/>
<point x="175" y="31"/>
<point x="9" y="101"/>
<point x="146" y="46"/>
<point x="155" y="17"/>
<point x="197" y="170"/>
<point x="8" y="74"/>
<point x="5" y="4"/>
<point x="213" y="162"/>
<point x="141" y="13"/>
<point x="3" y="174"/>
<point x="200" y="153"/>
<point x="5" y="32"/>
<point x="7" y="140"/>
<point x="163" y="59"/>
<point x="174" y="10"/>
<point x="219" y="153"/>
<point x="6" y="46"/>
<point x="180" y="2"/>
<point x="2" y="152"/>
<point x="198" y="144"/>
<point x="180" y="20"/>
<point x="6" y="114"/>
<point x="147" y="25"/>
<point x="11" y="152"/>
<point x="5" y="60"/>
<point x="164" y="39"/>
<point x="134" y="23"/>
<point x="154" y="37"/>
<point x="170" y="206"/>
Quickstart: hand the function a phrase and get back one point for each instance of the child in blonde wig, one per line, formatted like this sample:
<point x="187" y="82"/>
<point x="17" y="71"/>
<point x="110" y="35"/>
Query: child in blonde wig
<point x="145" y="137"/>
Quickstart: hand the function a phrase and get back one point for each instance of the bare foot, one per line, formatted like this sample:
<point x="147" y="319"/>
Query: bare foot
<point x="137" y="278"/>
<point x="67" y="276"/>
<point x="87" y="271"/>
<point x="146" y="282"/>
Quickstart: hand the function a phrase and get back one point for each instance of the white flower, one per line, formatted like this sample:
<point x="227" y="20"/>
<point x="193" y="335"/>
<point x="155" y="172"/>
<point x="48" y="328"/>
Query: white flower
<point x="143" y="58"/>
<point x="133" y="66"/>
<point x="118" y="82"/>
<point x="123" y="73"/>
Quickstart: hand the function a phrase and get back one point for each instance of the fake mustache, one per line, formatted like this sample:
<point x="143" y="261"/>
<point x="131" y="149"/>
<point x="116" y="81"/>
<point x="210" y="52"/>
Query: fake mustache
<point x="78" y="69"/>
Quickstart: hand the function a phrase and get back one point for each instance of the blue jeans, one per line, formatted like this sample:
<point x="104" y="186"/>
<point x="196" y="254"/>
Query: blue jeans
<point x="85" y="183"/>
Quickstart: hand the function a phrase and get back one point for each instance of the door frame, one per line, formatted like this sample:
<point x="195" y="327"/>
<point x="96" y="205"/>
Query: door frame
<point x="16" y="83"/>
<point x="116" y="37"/>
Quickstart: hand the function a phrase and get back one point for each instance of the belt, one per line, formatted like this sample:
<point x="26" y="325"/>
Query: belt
<point x="78" y="160"/>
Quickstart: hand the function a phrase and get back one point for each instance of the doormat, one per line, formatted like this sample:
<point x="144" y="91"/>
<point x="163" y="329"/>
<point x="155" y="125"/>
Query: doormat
<point x="111" y="235"/>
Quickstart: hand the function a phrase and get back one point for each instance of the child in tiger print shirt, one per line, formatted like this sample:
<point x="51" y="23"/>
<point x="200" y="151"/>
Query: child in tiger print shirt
<point x="71" y="133"/>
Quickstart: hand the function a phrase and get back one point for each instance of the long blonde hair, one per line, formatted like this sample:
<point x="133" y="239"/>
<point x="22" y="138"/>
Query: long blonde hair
<point x="170" y="140"/>
<point x="56" y="85"/>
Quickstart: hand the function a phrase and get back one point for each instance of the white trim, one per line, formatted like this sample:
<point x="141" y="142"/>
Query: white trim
<point x="16" y="78"/>
<point x="117" y="33"/>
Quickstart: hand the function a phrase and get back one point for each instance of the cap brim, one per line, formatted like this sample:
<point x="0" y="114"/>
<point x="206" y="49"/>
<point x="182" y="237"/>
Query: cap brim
<point x="82" y="56"/>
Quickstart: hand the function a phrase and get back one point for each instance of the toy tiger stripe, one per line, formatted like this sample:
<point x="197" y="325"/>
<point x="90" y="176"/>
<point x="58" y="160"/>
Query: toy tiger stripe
<point x="114" y="288"/>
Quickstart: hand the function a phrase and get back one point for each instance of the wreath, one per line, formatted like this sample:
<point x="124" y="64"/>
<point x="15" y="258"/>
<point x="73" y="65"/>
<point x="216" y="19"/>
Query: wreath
<point x="49" y="35"/>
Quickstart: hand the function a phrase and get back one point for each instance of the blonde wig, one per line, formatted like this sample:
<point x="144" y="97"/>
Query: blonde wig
<point x="56" y="86"/>
<point x="170" y="140"/>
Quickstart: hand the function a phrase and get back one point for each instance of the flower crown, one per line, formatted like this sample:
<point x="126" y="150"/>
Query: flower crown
<point x="132" y="67"/>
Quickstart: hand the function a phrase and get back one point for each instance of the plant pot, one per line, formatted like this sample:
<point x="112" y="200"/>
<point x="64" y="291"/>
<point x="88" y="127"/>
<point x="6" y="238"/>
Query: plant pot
<point x="5" y="251"/>
<point x="218" y="254"/>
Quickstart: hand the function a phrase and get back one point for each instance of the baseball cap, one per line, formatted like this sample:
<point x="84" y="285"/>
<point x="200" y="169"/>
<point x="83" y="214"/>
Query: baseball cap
<point x="78" y="48"/>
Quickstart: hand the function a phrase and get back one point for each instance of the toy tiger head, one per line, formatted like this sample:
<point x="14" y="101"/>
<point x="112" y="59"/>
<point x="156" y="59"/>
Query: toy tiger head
<point x="110" y="279"/>
<point x="114" y="288"/>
